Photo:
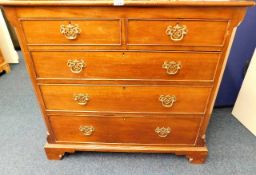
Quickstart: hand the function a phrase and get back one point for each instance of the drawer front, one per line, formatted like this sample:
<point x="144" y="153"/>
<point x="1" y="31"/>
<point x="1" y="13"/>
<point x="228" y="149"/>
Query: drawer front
<point x="176" y="66"/>
<point x="73" y="32"/>
<point x="141" y="130"/>
<point x="176" y="32"/>
<point x="145" y="99"/>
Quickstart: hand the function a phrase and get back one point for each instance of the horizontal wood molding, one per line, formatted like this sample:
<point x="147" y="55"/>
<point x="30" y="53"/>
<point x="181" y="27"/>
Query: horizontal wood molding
<point x="229" y="3"/>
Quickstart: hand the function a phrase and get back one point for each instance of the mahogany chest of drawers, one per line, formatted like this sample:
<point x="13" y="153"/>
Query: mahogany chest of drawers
<point x="138" y="77"/>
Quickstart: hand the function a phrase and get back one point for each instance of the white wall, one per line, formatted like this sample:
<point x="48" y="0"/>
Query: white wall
<point x="6" y="45"/>
<point x="245" y="106"/>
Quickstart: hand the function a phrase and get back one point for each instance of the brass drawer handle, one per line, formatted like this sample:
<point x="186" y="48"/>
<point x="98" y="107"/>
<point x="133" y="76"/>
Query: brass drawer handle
<point x="167" y="100"/>
<point x="177" y="32"/>
<point x="81" y="99"/>
<point x="172" y="67"/>
<point x="163" y="132"/>
<point x="87" y="130"/>
<point x="70" y="31"/>
<point x="76" y="66"/>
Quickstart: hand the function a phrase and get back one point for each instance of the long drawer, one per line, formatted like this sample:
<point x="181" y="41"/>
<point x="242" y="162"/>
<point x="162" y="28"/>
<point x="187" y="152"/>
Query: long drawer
<point x="142" y="130"/>
<point x="147" y="99"/>
<point x="167" y="66"/>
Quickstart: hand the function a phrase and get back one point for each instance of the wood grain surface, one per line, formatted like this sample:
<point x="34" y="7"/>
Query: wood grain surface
<point x="126" y="98"/>
<point x="128" y="129"/>
<point x="195" y="66"/>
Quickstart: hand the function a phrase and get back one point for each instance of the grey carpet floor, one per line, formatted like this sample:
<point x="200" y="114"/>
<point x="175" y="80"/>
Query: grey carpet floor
<point x="232" y="148"/>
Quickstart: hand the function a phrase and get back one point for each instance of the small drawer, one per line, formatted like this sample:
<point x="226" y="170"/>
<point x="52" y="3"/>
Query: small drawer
<point x="136" y="99"/>
<point x="183" y="32"/>
<point x="72" y="32"/>
<point x="168" y="66"/>
<point x="172" y="130"/>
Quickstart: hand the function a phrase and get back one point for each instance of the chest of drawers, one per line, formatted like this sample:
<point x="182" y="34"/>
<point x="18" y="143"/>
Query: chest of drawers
<point x="141" y="77"/>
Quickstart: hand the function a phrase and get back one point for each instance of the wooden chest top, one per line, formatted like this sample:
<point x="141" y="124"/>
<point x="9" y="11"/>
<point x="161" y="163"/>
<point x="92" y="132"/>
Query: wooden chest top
<point x="129" y="2"/>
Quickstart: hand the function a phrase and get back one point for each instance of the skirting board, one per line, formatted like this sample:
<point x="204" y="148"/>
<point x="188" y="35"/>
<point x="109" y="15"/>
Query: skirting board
<point x="6" y="44"/>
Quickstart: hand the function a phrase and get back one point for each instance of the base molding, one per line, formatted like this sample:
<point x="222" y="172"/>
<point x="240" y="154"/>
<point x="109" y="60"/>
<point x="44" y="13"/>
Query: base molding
<point x="195" y="155"/>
